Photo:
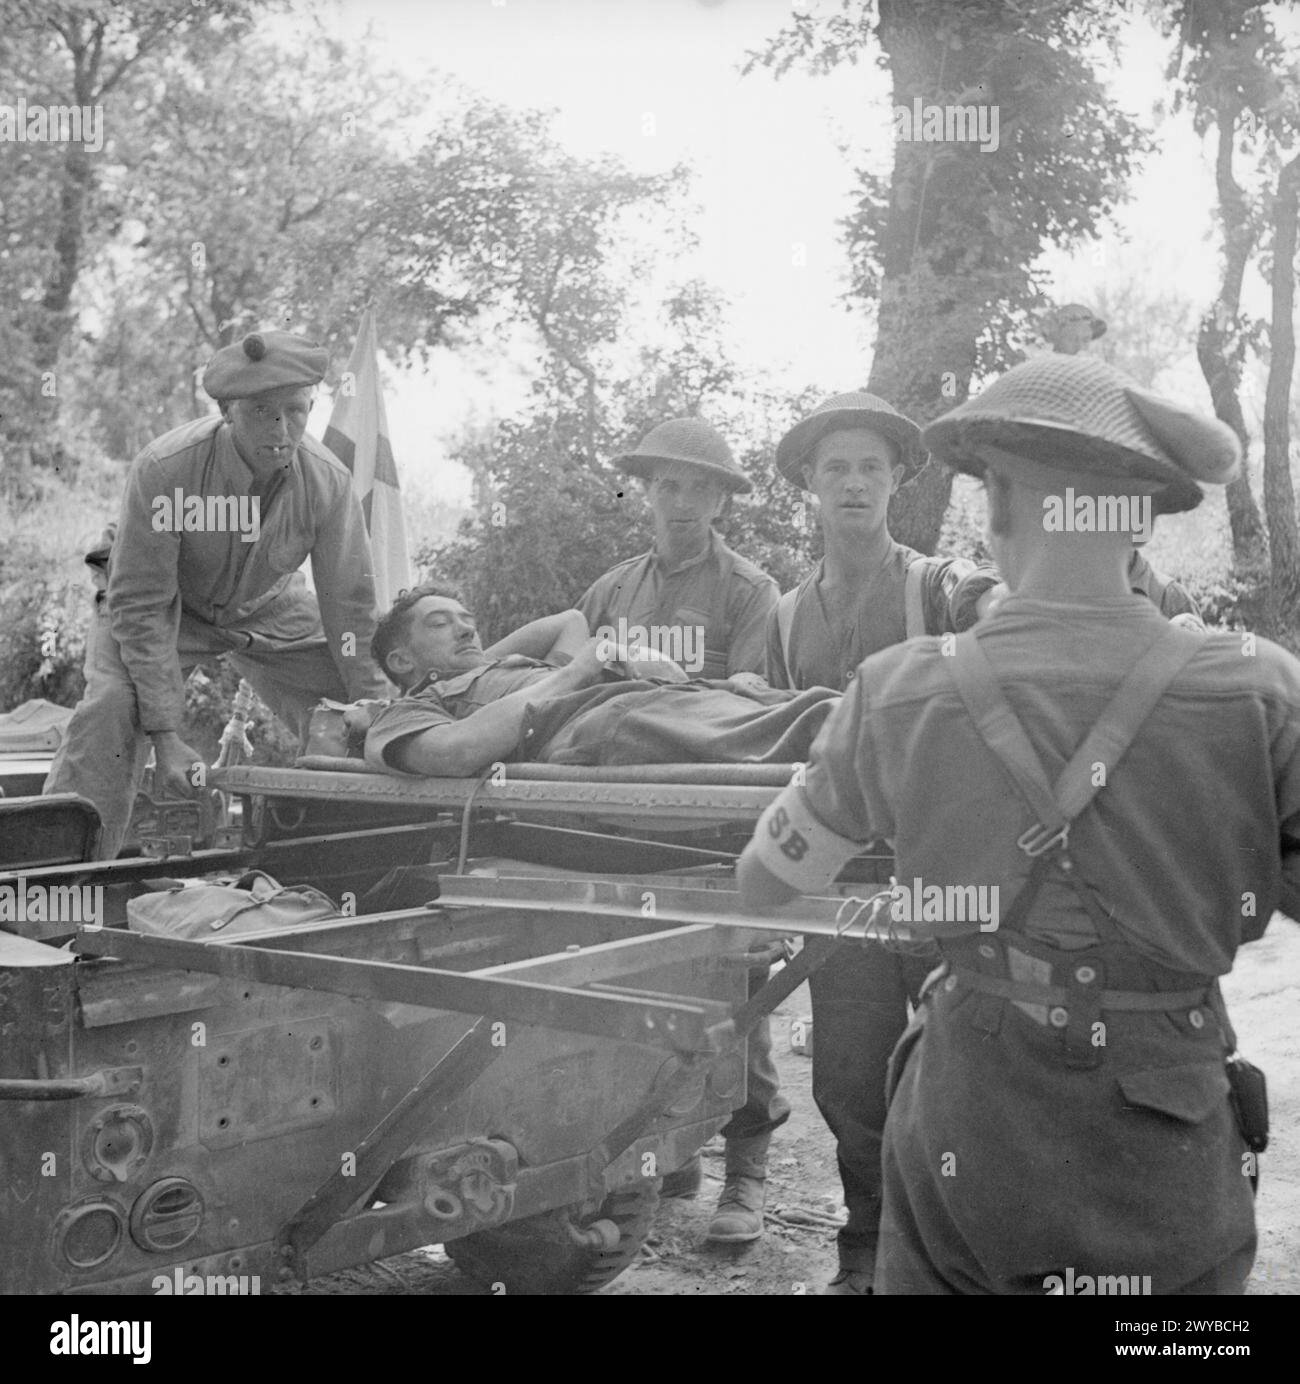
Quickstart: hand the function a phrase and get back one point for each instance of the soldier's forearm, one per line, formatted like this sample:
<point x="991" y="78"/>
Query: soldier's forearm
<point x="560" y="635"/>
<point x="759" y="887"/>
<point x="147" y="649"/>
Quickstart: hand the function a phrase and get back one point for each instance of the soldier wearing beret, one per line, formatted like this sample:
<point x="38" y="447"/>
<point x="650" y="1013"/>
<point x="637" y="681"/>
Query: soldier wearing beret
<point x="217" y="517"/>
<point x="1060" y="1105"/>
<point x="868" y="592"/>
<point x="710" y="606"/>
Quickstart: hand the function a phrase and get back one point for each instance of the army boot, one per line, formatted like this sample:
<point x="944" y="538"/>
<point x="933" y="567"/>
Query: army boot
<point x="739" y="1216"/>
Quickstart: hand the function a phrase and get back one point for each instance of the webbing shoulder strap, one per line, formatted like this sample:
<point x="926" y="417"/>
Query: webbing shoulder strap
<point x="784" y="625"/>
<point x="1057" y="806"/>
<point x="913" y="606"/>
<point x="719" y="600"/>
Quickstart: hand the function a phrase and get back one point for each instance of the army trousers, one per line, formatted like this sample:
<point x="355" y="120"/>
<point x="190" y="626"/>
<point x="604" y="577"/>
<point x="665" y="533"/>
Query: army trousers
<point x="1015" y="1164"/>
<point x="765" y="1108"/>
<point x="860" y="1003"/>
<point x="104" y="749"/>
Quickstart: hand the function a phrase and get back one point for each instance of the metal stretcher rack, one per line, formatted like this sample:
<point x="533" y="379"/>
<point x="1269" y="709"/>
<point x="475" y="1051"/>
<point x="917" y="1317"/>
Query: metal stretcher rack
<point x="637" y="797"/>
<point x="503" y="1058"/>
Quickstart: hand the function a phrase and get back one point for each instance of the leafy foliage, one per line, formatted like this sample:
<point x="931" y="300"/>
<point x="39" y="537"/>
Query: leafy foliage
<point x="1242" y="82"/>
<point x="54" y="216"/>
<point x="943" y="249"/>
<point x="552" y="513"/>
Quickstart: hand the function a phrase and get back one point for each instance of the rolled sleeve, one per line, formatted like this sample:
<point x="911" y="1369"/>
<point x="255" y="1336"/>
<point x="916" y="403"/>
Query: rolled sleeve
<point x="398" y="721"/>
<point x="953" y="589"/>
<point x="965" y="595"/>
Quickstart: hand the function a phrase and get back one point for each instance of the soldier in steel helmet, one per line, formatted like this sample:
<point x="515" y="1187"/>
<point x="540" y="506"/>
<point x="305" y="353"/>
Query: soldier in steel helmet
<point x="1070" y="329"/>
<point x="869" y="591"/>
<point x="188" y="579"/>
<point x="709" y="607"/>
<point x="709" y="604"/>
<point x="1061" y="1105"/>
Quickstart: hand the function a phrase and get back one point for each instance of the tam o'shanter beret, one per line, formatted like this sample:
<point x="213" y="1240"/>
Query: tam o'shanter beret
<point x="1079" y="417"/>
<point x="262" y="361"/>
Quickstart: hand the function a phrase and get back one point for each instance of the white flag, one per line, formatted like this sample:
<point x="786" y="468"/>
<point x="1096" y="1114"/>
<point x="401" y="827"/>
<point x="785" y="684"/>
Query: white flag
<point x="358" y="436"/>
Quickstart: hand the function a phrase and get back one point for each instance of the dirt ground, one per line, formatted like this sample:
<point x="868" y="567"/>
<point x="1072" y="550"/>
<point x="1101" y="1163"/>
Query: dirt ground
<point x="797" y="1252"/>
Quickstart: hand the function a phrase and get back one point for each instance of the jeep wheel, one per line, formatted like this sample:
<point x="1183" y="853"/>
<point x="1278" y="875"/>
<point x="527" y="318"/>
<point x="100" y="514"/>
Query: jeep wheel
<point x="536" y="1256"/>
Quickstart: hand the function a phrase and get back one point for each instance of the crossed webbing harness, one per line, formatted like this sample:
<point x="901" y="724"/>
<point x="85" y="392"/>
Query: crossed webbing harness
<point x="1076" y="1004"/>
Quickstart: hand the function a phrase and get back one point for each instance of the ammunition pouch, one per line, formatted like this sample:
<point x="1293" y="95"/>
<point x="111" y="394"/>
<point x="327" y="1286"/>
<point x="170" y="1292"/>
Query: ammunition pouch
<point x="1248" y="1096"/>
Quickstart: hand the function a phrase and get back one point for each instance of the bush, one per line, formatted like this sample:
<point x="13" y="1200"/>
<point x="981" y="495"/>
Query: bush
<point x="44" y="619"/>
<point x="46" y="592"/>
<point x="47" y="604"/>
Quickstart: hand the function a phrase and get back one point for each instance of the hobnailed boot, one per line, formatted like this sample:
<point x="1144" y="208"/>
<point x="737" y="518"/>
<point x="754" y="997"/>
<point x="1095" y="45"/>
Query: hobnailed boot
<point x="739" y="1217"/>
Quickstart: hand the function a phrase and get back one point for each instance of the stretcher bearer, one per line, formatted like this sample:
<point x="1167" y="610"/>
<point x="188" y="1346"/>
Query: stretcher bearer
<point x="867" y="593"/>
<point x="705" y="606"/>
<point x="1060" y="1108"/>
<point x="216" y="519"/>
<point x="690" y="596"/>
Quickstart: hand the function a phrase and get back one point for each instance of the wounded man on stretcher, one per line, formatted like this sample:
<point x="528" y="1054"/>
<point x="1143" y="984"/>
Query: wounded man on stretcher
<point x="551" y="693"/>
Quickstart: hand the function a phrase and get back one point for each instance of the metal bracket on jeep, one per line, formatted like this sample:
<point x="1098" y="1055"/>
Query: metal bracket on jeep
<point x="111" y="1081"/>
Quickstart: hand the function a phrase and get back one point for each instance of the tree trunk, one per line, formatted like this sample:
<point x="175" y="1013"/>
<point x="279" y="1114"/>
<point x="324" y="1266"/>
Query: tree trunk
<point x="925" y="342"/>
<point x="74" y="195"/>
<point x="1279" y="493"/>
<point x="1217" y="349"/>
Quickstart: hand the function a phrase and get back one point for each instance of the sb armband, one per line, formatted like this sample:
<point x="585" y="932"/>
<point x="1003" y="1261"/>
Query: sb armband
<point x="796" y="847"/>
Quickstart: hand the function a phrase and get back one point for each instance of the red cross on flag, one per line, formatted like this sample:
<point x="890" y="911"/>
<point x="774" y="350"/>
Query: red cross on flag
<point x="358" y="436"/>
